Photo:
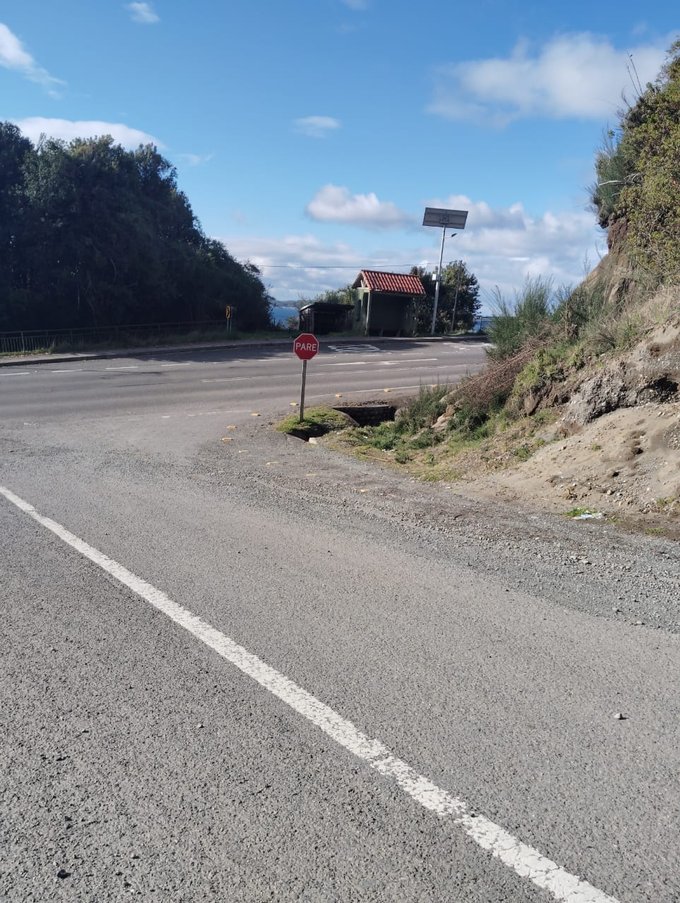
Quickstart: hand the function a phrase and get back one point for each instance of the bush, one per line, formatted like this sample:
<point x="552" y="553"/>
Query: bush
<point x="637" y="176"/>
<point x="423" y="410"/>
<point x="578" y="308"/>
<point x="527" y="318"/>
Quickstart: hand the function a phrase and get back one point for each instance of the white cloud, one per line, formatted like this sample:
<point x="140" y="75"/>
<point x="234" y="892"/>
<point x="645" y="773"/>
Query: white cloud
<point x="502" y="246"/>
<point x="572" y="76"/>
<point x="67" y="129"/>
<point x="481" y="214"/>
<point x="302" y="266"/>
<point x="316" y="126"/>
<point x="14" y="56"/>
<point x="333" y="204"/>
<point x="195" y="159"/>
<point x="143" y="13"/>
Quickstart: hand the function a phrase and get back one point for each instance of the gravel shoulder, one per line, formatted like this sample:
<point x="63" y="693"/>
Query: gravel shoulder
<point x="588" y="566"/>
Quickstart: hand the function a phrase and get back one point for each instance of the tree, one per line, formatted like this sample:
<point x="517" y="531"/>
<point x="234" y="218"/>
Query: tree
<point x="458" y="299"/>
<point x="95" y="235"/>
<point x="14" y="151"/>
<point x="344" y="295"/>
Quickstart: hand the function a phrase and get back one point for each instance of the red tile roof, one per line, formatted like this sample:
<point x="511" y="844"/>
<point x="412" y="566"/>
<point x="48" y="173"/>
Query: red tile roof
<point x="398" y="283"/>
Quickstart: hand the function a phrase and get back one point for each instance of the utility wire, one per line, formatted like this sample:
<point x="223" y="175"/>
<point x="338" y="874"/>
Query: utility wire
<point x="327" y="266"/>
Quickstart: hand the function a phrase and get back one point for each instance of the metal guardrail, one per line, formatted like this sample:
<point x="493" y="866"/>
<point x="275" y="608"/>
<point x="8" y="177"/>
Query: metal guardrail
<point x="22" y="341"/>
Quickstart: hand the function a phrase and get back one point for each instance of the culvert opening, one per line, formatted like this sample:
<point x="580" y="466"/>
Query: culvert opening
<point x="368" y="414"/>
<point x="319" y="421"/>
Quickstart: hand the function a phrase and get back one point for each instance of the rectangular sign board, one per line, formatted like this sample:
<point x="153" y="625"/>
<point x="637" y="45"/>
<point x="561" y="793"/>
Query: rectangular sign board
<point x="450" y="219"/>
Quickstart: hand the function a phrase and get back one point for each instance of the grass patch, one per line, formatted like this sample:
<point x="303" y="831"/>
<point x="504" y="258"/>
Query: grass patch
<point x="317" y="422"/>
<point x="581" y="512"/>
<point x="473" y="440"/>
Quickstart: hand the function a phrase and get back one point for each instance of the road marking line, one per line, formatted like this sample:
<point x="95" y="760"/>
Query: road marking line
<point x="20" y="373"/>
<point x="526" y="861"/>
<point x="353" y="349"/>
<point x="424" y="385"/>
<point x="406" y="360"/>
<point x="133" y="367"/>
<point x="179" y="364"/>
<point x="380" y="363"/>
<point x="227" y="379"/>
<point x="348" y="363"/>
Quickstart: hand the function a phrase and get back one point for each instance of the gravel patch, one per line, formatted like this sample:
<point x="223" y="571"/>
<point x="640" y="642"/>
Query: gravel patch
<point x="588" y="566"/>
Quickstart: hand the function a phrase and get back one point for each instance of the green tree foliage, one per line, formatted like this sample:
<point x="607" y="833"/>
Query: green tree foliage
<point x="94" y="235"/>
<point x="459" y="301"/>
<point x="345" y="295"/>
<point x="14" y="151"/>
<point x="638" y="175"/>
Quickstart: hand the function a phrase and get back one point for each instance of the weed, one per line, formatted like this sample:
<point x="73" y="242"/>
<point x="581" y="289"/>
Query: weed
<point x="402" y="456"/>
<point x="317" y="422"/>
<point x="579" y="512"/>
<point x="527" y="318"/>
<point x="423" y="410"/>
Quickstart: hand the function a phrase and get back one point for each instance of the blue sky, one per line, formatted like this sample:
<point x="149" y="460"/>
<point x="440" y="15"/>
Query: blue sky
<point x="309" y="135"/>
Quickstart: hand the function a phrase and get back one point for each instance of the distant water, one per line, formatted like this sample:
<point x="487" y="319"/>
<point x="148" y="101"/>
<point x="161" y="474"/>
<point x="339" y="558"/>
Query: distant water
<point x="481" y="324"/>
<point x="281" y="314"/>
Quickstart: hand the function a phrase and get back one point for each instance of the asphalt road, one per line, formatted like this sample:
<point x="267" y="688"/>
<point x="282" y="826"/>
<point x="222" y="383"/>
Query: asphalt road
<point x="236" y="667"/>
<point x="237" y="382"/>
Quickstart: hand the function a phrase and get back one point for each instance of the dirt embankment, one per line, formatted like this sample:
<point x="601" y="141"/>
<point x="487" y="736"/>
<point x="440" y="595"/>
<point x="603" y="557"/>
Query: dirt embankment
<point x="615" y="447"/>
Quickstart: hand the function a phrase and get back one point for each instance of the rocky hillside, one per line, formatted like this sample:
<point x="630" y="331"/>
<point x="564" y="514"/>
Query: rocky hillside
<point x="605" y="372"/>
<point x="611" y="444"/>
<point x="579" y="409"/>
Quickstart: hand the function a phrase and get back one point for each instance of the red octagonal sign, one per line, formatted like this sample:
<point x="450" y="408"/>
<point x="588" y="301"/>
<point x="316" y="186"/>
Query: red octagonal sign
<point x="306" y="346"/>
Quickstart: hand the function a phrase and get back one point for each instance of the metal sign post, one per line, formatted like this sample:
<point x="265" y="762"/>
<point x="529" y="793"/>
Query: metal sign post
<point x="305" y="346"/>
<point x="302" y="391"/>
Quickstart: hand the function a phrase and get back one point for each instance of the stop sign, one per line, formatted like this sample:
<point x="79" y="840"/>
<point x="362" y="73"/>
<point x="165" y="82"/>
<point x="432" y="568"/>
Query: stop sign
<point x="306" y="346"/>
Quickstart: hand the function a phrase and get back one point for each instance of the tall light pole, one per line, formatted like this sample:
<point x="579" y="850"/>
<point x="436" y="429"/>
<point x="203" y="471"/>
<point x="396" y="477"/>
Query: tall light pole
<point x="438" y="281"/>
<point x="446" y="219"/>
<point x="455" y="297"/>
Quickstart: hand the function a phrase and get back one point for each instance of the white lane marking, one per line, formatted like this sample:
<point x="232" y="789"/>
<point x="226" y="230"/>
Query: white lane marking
<point x="347" y="363"/>
<point x="134" y="367"/>
<point x="425" y="384"/>
<point x="179" y="364"/>
<point x="182" y="414"/>
<point x="406" y="360"/>
<point x="20" y="373"/>
<point x="396" y="363"/>
<point x="352" y="349"/>
<point x="526" y="861"/>
<point x="69" y="370"/>
<point x="227" y="379"/>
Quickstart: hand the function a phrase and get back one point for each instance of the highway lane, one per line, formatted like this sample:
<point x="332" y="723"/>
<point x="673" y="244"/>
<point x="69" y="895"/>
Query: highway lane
<point x="238" y="381"/>
<point x="142" y="762"/>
